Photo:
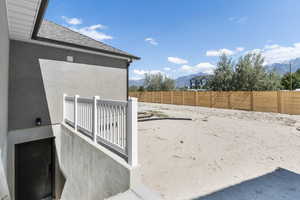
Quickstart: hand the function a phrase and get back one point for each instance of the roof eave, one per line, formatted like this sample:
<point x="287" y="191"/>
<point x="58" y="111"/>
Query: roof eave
<point x="86" y="48"/>
<point x="38" y="22"/>
<point x="39" y="18"/>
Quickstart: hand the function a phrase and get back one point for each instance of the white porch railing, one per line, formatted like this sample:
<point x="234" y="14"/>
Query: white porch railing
<point x="110" y="123"/>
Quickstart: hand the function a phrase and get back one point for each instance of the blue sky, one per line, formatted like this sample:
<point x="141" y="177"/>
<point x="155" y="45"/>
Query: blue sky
<point x="178" y="37"/>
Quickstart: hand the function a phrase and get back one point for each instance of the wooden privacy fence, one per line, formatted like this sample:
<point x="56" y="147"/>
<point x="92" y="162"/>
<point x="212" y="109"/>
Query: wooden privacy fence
<point x="264" y="101"/>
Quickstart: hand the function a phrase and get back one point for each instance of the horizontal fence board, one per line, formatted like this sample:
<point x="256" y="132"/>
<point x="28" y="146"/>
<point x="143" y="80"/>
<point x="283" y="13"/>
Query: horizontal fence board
<point x="220" y="99"/>
<point x="240" y="100"/>
<point x="156" y="97"/>
<point x="166" y="97"/>
<point x="203" y="99"/>
<point x="189" y="98"/>
<point x="290" y="102"/>
<point x="178" y="97"/>
<point x="263" y="101"/>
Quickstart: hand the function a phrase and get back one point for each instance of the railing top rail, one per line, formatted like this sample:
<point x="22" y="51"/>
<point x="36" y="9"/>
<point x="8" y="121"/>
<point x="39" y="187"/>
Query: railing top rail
<point x="84" y="100"/>
<point x="99" y="101"/>
<point x="69" y="98"/>
<point x="112" y="102"/>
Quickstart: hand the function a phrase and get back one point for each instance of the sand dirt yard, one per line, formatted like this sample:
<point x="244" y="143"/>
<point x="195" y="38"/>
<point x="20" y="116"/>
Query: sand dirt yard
<point x="220" y="154"/>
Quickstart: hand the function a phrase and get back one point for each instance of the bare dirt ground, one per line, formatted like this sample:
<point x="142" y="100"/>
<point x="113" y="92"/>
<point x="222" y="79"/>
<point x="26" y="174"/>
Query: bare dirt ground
<point x="220" y="154"/>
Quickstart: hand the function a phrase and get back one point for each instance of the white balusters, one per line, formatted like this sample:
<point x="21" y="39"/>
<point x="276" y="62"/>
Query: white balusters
<point x="108" y="122"/>
<point x="76" y="112"/>
<point x="94" y="121"/>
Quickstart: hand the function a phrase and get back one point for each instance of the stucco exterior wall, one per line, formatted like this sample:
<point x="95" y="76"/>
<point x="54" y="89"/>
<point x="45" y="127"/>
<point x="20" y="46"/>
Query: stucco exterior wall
<point x="4" y="63"/>
<point x="83" y="170"/>
<point x="90" y="171"/>
<point x="40" y="75"/>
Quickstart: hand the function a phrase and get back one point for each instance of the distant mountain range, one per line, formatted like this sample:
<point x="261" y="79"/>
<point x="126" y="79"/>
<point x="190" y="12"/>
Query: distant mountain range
<point x="181" y="81"/>
<point x="284" y="67"/>
<point x="138" y="83"/>
<point x="280" y="68"/>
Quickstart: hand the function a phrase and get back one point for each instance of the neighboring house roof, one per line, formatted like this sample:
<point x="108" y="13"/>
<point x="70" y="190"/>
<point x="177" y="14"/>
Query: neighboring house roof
<point x="52" y="32"/>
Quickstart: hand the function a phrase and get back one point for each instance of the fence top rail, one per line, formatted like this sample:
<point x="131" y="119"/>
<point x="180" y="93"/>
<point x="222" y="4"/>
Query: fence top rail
<point x="293" y="91"/>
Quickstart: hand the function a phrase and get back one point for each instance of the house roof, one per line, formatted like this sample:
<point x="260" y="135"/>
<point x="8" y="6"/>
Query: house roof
<point x="52" y="32"/>
<point x="22" y="16"/>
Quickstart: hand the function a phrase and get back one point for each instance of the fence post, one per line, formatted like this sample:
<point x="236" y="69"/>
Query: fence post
<point x="183" y="97"/>
<point x="152" y="97"/>
<point x="211" y="99"/>
<point x="229" y="100"/>
<point x="132" y="136"/>
<point x="279" y="109"/>
<point x="161" y="97"/>
<point x="75" y="111"/>
<point x="64" y="107"/>
<point x="252" y="101"/>
<point x="172" y="97"/>
<point x="95" y="118"/>
<point x="196" y="98"/>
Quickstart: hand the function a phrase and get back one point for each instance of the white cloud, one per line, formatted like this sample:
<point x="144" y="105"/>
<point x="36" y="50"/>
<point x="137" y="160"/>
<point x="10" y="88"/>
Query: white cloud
<point x="204" y="67"/>
<point x="238" y="20"/>
<point x="272" y="46"/>
<point x="178" y="61"/>
<point x="151" y="41"/>
<point x="97" y="26"/>
<point x="139" y="72"/>
<point x="90" y="31"/>
<point x="220" y="52"/>
<point x="187" y="68"/>
<point x="227" y="52"/>
<point x="72" y="21"/>
<point x="135" y="78"/>
<point x="255" y="51"/>
<point x="239" y="49"/>
<point x="142" y="72"/>
<point x="93" y="32"/>
<point x="167" y="68"/>
<point x="276" y="54"/>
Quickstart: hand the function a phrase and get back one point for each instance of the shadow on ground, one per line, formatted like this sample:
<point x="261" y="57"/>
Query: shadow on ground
<point x="278" y="185"/>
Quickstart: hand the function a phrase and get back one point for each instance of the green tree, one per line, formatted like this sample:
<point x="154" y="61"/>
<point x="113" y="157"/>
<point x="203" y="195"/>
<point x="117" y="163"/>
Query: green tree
<point x="288" y="78"/>
<point x="133" y="88"/>
<point x="158" y="82"/>
<point x="223" y="74"/>
<point x="272" y="81"/>
<point x="167" y="84"/>
<point x="141" y="89"/>
<point x="247" y="74"/>
<point x="250" y="74"/>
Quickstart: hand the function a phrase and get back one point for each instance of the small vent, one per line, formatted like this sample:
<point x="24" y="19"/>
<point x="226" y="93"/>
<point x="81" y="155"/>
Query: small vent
<point x="70" y="59"/>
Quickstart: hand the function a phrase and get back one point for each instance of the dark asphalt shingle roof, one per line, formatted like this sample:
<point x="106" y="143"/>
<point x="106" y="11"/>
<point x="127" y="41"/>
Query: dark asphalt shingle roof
<point x="54" y="32"/>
